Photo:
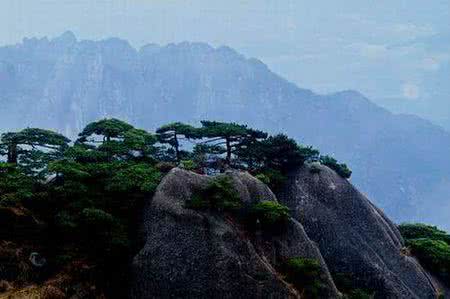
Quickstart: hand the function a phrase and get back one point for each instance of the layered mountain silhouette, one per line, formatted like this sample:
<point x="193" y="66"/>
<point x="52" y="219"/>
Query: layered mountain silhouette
<point x="401" y="162"/>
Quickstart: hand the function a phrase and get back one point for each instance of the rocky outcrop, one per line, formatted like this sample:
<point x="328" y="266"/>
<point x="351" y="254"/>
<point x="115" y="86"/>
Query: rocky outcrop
<point x="190" y="253"/>
<point x="355" y="238"/>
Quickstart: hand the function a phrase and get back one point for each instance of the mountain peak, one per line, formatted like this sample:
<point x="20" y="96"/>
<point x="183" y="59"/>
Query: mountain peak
<point x="193" y="46"/>
<point x="68" y="37"/>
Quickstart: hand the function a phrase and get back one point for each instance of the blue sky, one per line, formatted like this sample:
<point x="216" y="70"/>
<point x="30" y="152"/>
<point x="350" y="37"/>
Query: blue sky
<point x="395" y="52"/>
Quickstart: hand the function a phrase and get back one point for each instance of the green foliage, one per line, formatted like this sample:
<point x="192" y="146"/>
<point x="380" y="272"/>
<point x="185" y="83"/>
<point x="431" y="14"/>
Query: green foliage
<point x="34" y="137"/>
<point x="97" y="219"/>
<point x="275" y="179"/>
<point x="66" y="223"/>
<point x="345" y="284"/>
<point x="117" y="140"/>
<point x="173" y="132"/>
<point x="358" y="294"/>
<point x="224" y="144"/>
<point x="208" y="156"/>
<point x="177" y="128"/>
<point x="219" y="195"/>
<point x="198" y="202"/>
<point x="188" y="165"/>
<point x="69" y="169"/>
<point x="340" y="168"/>
<point x="231" y="137"/>
<point x="214" y="129"/>
<point x="308" y="153"/>
<point x="44" y="138"/>
<point x="32" y="149"/>
<point x="85" y="154"/>
<point x="15" y="185"/>
<point x="107" y="128"/>
<point x="133" y="177"/>
<point x="433" y="254"/>
<point x="105" y="229"/>
<point x="270" y="213"/>
<point x="98" y="187"/>
<point x="263" y="178"/>
<point x="282" y="153"/>
<point x="140" y="141"/>
<point x="88" y="193"/>
<point x="419" y="230"/>
<point x="431" y="246"/>
<point x="10" y="200"/>
<point x="304" y="273"/>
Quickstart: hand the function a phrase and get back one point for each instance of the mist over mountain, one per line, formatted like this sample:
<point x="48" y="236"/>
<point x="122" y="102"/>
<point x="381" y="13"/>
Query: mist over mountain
<point x="401" y="162"/>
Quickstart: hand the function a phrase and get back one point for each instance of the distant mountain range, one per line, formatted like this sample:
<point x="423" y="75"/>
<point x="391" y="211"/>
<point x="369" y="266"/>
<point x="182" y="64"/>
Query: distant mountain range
<point x="401" y="162"/>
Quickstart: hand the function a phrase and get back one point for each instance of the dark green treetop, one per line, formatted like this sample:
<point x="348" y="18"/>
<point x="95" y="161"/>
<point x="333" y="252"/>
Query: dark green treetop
<point x="340" y="168"/>
<point x="229" y="136"/>
<point x="283" y="153"/>
<point x="118" y="139"/>
<point x="140" y="141"/>
<point x="32" y="148"/>
<point x="14" y="185"/>
<point x="172" y="134"/>
<point x="107" y="128"/>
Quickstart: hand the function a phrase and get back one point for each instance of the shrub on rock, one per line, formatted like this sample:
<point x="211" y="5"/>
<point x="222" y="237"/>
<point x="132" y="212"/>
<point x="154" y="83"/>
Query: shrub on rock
<point x="420" y="230"/>
<point x="270" y="213"/>
<point x="340" y="168"/>
<point x="188" y="165"/>
<point x="263" y="178"/>
<point x="434" y="255"/>
<point x="304" y="273"/>
<point x="430" y="245"/>
<point x="219" y="195"/>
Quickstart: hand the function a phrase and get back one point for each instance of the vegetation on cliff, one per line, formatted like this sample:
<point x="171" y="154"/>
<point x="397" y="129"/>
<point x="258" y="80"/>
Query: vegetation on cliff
<point x="431" y="246"/>
<point x="84" y="197"/>
<point x="89" y="192"/>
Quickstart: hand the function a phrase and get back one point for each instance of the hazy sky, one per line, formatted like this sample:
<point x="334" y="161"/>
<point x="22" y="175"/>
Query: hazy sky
<point x="387" y="49"/>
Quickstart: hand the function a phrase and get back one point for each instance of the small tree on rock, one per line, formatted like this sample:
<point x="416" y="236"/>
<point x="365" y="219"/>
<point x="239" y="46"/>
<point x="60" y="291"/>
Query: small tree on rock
<point x="282" y="153"/>
<point x="116" y="138"/>
<point x="340" y="168"/>
<point x="32" y="148"/>
<point x="173" y="133"/>
<point x="229" y="136"/>
<point x="108" y="129"/>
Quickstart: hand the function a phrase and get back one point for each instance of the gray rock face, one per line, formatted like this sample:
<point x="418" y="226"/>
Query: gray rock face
<point x="355" y="238"/>
<point x="194" y="254"/>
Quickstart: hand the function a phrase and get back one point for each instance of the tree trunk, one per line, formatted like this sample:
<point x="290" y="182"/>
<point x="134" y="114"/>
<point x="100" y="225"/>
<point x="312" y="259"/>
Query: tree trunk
<point x="12" y="154"/>
<point x="228" y="144"/>
<point x="177" y="147"/>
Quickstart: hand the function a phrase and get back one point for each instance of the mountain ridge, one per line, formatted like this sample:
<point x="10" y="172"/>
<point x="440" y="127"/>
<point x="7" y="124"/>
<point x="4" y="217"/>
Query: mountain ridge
<point x="62" y="83"/>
